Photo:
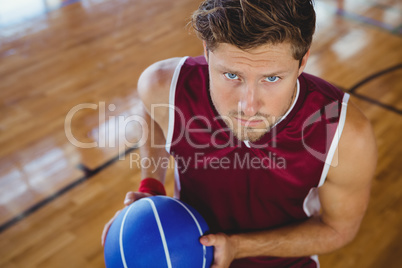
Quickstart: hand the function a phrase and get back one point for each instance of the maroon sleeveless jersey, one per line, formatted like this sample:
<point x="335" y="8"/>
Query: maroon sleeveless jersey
<point x="250" y="186"/>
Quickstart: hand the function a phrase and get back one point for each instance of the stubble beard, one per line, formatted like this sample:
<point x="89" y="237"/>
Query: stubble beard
<point x="245" y="133"/>
<point x="251" y="134"/>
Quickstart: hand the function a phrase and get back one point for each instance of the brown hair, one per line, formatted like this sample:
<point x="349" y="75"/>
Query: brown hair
<point x="248" y="24"/>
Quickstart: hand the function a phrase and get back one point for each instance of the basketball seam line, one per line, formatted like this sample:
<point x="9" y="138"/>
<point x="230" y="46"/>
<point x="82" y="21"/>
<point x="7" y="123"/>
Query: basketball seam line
<point x="123" y="258"/>
<point x="161" y="232"/>
<point x="199" y="230"/>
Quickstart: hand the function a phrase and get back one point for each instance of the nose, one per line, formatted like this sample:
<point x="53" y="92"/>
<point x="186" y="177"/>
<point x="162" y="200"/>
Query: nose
<point x="249" y="103"/>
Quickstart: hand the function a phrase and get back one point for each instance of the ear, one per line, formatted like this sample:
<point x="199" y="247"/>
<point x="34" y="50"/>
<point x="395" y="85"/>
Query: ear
<point x="304" y="62"/>
<point x="205" y="50"/>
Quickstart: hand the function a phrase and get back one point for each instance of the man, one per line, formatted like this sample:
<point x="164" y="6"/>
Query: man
<point x="278" y="162"/>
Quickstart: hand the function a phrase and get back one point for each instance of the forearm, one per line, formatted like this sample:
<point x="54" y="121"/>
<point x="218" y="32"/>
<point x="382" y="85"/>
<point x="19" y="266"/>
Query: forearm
<point x="154" y="163"/>
<point x="153" y="154"/>
<point x="303" y="239"/>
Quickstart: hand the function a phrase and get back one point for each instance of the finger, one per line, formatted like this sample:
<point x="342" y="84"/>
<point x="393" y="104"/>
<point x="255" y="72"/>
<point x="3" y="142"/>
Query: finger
<point x="107" y="227"/>
<point x="134" y="196"/>
<point x="130" y="198"/>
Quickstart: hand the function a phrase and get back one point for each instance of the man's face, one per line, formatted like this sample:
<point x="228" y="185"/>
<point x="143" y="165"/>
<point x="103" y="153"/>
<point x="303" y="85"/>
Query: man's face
<point x="253" y="89"/>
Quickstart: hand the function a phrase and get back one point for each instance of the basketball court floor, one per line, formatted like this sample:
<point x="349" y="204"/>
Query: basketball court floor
<point x="68" y="134"/>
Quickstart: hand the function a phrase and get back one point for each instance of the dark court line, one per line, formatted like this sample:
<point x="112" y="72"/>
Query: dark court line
<point x="370" y="100"/>
<point x="377" y="103"/>
<point x="366" y="20"/>
<point x="68" y="2"/>
<point x="386" y="7"/>
<point x="352" y="90"/>
<point x="89" y="173"/>
<point x="373" y="76"/>
<point x="352" y="16"/>
<point x="397" y="30"/>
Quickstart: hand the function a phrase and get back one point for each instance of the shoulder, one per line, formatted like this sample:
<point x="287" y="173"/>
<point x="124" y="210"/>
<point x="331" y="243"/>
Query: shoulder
<point x="154" y="88"/>
<point x="356" y="156"/>
<point x="154" y="82"/>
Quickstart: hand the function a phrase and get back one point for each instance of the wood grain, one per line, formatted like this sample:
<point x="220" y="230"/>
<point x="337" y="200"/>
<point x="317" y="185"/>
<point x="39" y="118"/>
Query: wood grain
<point x="92" y="52"/>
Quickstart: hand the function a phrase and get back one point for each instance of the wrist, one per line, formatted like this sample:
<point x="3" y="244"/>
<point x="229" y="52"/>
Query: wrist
<point x="235" y="242"/>
<point x="152" y="186"/>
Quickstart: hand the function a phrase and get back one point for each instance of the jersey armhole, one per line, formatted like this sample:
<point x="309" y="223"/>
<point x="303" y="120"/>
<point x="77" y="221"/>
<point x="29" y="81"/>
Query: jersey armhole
<point x="172" y="95"/>
<point x="311" y="204"/>
<point x="335" y="140"/>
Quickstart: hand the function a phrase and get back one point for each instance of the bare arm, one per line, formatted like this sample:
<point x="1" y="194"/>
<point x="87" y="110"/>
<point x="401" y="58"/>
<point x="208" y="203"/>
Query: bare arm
<point x="153" y="150"/>
<point x="344" y="198"/>
<point x="153" y="88"/>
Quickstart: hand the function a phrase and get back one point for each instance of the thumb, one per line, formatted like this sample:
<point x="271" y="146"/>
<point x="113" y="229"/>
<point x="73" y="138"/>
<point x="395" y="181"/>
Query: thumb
<point x="208" y="240"/>
<point x="134" y="196"/>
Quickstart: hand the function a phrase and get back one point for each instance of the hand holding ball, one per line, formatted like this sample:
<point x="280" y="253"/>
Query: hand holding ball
<point x="158" y="232"/>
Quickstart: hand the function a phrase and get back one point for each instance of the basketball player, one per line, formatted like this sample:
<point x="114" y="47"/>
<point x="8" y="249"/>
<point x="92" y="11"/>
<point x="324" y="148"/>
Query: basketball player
<point x="279" y="162"/>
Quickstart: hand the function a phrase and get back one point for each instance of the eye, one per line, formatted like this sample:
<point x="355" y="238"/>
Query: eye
<point x="272" y="79"/>
<point x="231" y="76"/>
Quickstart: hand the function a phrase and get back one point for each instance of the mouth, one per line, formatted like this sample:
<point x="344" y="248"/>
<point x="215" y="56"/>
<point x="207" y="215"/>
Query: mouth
<point x="249" y="122"/>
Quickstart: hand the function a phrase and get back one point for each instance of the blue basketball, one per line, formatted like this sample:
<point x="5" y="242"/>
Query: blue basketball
<point x="158" y="232"/>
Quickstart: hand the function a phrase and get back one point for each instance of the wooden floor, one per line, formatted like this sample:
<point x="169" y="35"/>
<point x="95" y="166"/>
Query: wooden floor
<point x="68" y="73"/>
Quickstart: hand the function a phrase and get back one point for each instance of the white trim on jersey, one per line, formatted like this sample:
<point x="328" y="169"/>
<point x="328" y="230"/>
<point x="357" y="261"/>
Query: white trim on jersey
<point x="335" y="140"/>
<point x="311" y="204"/>
<point x="315" y="258"/>
<point x="177" y="185"/>
<point x="172" y="95"/>
<point x="247" y="143"/>
<point x="293" y="104"/>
